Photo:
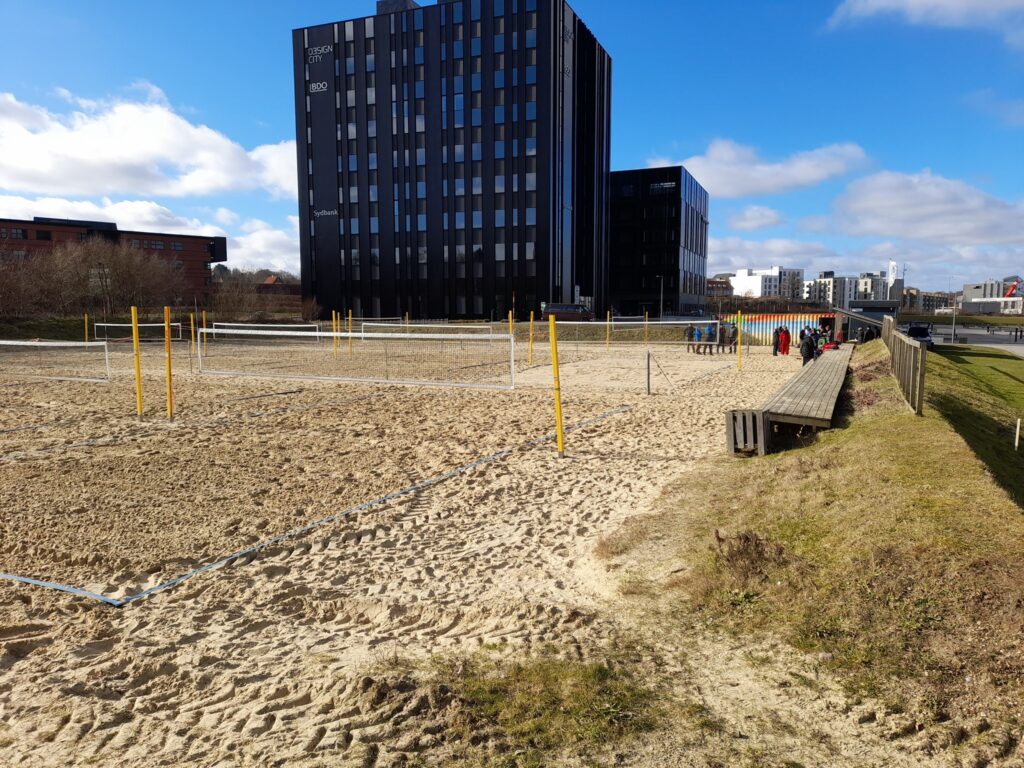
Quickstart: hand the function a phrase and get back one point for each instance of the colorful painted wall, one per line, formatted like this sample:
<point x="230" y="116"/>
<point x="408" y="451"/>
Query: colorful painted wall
<point x="758" y="327"/>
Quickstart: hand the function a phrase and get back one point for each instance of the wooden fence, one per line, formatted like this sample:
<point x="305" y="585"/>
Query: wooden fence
<point x="907" y="358"/>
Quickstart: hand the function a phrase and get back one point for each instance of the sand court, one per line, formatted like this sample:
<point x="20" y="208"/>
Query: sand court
<point x="497" y="554"/>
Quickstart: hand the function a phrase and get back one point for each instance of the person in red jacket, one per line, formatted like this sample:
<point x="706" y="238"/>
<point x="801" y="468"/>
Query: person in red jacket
<point x="784" y="339"/>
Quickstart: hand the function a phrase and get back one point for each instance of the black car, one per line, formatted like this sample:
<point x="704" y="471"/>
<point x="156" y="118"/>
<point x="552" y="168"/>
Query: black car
<point x="566" y="312"/>
<point x="921" y="332"/>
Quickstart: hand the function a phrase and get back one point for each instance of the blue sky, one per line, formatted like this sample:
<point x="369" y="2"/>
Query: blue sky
<point x="831" y="134"/>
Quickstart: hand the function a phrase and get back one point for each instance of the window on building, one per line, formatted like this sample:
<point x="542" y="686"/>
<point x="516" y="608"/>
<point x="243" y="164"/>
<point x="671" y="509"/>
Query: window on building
<point x="176" y="246"/>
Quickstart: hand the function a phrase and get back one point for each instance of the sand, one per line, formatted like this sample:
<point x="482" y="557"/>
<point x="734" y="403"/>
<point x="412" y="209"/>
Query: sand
<point x="264" y="661"/>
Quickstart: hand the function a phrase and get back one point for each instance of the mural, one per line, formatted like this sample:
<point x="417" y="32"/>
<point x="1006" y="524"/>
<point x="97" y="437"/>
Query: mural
<point x="758" y="326"/>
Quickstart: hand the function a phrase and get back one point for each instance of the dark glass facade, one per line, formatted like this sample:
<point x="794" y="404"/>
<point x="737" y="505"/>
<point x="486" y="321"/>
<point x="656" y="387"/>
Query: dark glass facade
<point x="659" y="241"/>
<point x="453" y="159"/>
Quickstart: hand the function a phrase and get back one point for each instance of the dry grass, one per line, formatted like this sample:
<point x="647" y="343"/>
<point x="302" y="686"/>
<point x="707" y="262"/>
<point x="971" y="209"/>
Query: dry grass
<point x="885" y="545"/>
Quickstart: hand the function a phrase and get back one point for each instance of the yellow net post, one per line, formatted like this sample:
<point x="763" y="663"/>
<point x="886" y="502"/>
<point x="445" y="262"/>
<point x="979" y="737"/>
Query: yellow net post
<point x="647" y="336"/>
<point x="529" y="353"/>
<point x="739" y="341"/>
<point x="511" y="326"/>
<point x="608" y="329"/>
<point x="192" y="330"/>
<point x="138" y="362"/>
<point x="204" y="331"/>
<point x="350" y="333"/>
<point x="334" y="331"/>
<point x="167" y="355"/>
<point x="559" y="434"/>
<point x="86" y="327"/>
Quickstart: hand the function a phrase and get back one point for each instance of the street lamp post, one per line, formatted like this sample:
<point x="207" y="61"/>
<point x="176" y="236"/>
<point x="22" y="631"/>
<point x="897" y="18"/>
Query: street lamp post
<point x="953" y="297"/>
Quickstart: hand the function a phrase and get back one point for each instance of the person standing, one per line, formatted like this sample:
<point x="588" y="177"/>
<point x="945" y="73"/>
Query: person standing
<point x="775" y="341"/>
<point x="784" y="340"/>
<point x="734" y="335"/>
<point x="688" y="336"/>
<point x="709" y="334"/>
<point x="696" y="340"/>
<point x="807" y="349"/>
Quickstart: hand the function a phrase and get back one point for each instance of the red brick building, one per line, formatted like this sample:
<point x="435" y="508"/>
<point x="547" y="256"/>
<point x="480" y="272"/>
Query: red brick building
<point x="192" y="254"/>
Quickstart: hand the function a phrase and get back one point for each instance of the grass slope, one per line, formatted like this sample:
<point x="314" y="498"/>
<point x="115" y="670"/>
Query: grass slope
<point x="884" y="546"/>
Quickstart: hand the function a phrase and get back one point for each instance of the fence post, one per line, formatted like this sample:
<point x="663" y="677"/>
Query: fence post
<point x="920" y="381"/>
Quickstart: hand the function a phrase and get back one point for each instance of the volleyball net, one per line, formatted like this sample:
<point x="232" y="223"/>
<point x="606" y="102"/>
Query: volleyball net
<point x="430" y="329"/>
<point x="474" y="360"/>
<point x="225" y="326"/>
<point x="55" y="360"/>
<point x="123" y="331"/>
<point x="686" y="332"/>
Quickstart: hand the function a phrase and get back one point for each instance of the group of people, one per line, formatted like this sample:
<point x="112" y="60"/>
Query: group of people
<point x="704" y="340"/>
<point x="812" y="341"/>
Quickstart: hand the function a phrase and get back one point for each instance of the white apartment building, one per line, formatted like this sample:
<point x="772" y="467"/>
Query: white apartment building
<point x="829" y="290"/>
<point x="872" y="286"/>
<point x="775" y="281"/>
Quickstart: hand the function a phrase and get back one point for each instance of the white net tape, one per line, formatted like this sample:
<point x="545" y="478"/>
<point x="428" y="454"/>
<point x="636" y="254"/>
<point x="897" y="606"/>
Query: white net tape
<point x="122" y="331"/>
<point x="55" y="360"/>
<point x="481" y="361"/>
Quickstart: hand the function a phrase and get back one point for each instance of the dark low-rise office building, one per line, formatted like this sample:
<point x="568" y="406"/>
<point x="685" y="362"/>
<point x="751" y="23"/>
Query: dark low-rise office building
<point x="659" y="242"/>
<point x="453" y="159"/>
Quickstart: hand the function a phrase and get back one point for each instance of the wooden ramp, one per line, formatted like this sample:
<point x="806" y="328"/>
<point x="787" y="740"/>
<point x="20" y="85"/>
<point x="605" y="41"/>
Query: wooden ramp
<point x="808" y="399"/>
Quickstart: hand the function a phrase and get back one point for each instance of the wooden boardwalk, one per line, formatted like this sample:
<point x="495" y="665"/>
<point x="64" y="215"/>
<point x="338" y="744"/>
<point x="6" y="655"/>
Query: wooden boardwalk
<point x="809" y="398"/>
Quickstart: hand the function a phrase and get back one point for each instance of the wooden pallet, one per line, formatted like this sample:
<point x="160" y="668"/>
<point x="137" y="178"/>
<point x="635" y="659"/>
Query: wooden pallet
<point x="746" y="432"/>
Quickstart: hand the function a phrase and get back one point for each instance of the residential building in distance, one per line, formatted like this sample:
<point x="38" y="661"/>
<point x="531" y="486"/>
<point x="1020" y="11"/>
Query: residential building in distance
<point x="916" y="301"/>
<point x="720" y="286"/>
<point x="779" y="282"/>
<point x="872" y="286"/>
<point x="453" y="159"/>
<point x="990" y="289"/>
<point x="828" y="290"/>
<point x="659" y="242"/>
<point x="192" y="255"/>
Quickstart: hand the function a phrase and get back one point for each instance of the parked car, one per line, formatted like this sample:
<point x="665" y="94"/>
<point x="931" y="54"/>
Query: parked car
<point x="921" y="332"/>
<point x="566" y="312"/>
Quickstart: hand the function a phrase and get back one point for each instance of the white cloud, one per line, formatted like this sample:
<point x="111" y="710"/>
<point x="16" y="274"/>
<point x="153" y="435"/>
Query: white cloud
<point x="1009" y="111"/>
<point x="928" y="266"/>
<point x="929" y="208"/>
<point x="259" y="246"/>
<point x="267" y="248"/>
<point x="142" y="215"/>
<point x="755" y="217"/>
<point x="728" y="254"/>
<point x="1005" y="17"/>
<point x="129" y="146"/>
<point x="225" y="216"/>
<point x="729" y="170"/>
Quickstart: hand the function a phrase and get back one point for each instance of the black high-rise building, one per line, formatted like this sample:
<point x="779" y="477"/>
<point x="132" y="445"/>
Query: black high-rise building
<point x="453" y="159"/>
<point x="659" y="241"/>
